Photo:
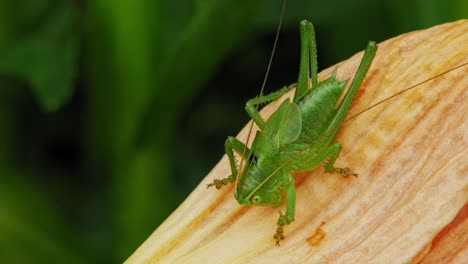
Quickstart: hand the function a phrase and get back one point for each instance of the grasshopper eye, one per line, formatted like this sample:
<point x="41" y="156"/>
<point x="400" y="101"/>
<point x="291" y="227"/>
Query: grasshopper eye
<point x="253" y="159"/>
<point x="256" y="199"/>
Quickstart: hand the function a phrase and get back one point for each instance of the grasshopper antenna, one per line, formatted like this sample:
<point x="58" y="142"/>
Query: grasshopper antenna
<point x="278" y="30"/>
<point x="404" y="91"/>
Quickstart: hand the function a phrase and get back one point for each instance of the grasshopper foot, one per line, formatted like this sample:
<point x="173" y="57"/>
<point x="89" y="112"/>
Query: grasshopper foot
<point x="219" y="183"/>
<point x="279" y="235"/>
<point x="282" y="221"/>
<point x="346" y="172"/>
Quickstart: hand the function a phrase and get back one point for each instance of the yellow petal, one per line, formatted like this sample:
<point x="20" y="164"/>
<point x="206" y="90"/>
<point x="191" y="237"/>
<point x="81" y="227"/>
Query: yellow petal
<point x="411" y="155"/>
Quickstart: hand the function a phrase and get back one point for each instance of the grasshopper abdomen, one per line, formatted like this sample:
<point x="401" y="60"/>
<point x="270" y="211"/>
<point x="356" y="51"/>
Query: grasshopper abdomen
<point x="318" y="107"/>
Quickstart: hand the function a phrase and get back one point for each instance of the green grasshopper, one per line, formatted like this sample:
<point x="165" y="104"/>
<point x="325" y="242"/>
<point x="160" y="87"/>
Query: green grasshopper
<point x="297" y="137"/>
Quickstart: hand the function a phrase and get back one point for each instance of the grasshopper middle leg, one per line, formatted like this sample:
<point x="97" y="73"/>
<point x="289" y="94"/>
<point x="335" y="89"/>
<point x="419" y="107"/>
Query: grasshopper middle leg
<point x="252" y="110"/>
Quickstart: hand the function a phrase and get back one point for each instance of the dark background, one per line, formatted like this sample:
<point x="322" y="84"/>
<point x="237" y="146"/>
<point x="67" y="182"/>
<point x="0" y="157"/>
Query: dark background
<point x="111" y="112"/>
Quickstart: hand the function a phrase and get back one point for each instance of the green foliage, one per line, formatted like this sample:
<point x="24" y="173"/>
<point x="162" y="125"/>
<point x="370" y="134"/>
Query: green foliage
<point x="31" y="227"/>
<point x="46" y="59"/>
<point x="104" y="126"/>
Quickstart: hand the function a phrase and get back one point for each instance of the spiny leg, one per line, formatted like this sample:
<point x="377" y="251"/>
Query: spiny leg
<point x="288" y="217"/>
<point x="308" y="64"/>
<point x="230" y="145"/>
<point x="349" y="97"/>
<point x="251" y="105"/>
<point x="333" y="152"/>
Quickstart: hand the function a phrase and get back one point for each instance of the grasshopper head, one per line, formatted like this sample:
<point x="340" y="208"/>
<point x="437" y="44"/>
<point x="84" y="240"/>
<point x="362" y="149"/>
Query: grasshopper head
<point x="262" y="197"/>
<point x="260" y="181"/>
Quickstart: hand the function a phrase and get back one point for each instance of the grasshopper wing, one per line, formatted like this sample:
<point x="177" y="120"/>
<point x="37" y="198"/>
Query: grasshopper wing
<point x="285" y="124"/>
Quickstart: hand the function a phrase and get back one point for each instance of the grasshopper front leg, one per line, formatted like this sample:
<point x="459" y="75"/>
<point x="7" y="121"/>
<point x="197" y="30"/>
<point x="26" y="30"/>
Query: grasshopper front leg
<point x="288" y="217"/>
<point x="231" y="144"/>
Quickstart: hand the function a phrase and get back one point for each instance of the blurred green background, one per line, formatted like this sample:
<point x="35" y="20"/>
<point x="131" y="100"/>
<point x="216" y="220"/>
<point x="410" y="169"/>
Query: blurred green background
<point x="111" y="112"/>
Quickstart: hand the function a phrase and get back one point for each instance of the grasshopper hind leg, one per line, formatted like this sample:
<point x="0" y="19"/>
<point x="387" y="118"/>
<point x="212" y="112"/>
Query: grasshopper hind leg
<point x="333" y="151"/>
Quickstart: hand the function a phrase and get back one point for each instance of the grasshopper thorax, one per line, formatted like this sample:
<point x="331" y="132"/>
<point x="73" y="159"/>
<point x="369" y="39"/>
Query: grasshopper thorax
<point x="260" y="182"/>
